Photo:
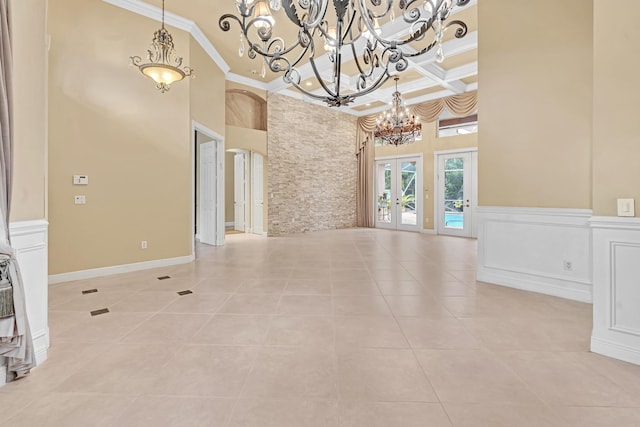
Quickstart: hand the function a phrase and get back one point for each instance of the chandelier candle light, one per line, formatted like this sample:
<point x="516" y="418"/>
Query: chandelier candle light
<point x="164" y="66"/>
<point x="397" y="126"/>
<point x="364" y="35"/>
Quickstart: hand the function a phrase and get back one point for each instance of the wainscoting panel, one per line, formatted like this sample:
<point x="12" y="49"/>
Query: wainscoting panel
<point x="616" y="284"/>
<point x="534" y="249"/>
<point x="29" y="239"/>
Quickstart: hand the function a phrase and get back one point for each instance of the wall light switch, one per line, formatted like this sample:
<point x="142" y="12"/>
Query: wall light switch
<point x="80" y="200"/>
<point x="626" y="207"/>
<point x="80" y="179"/>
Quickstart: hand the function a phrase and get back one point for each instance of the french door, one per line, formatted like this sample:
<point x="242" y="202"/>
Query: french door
<point x="398" y="189"/>
<point x="457" y="193"/>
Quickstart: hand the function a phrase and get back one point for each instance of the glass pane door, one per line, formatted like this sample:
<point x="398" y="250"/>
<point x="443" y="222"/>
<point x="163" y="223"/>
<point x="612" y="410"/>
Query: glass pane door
<point x="454" y="197"/>
<point x="456" y="193"/>
<point x="384" y="217"/>
<point x="408" y="192"/>
<point x="397" y="193"/>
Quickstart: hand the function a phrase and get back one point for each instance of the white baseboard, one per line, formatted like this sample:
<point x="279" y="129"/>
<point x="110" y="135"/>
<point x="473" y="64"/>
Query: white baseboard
<point x="117" y="269"/>
<point x="229" y="224"/>
<point x="528" y="248"/>
<point x="535" y="283"/>
<point x="616" y="297"/>
<point x="615" y="350"/>
<point x="41" y="346"/>
<point x="428" y="231"/>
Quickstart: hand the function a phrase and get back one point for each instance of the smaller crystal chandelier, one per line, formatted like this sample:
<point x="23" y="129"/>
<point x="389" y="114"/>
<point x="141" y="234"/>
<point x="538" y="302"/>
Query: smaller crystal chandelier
<point x="397" y="126"/>
<point x="164" y="66"/>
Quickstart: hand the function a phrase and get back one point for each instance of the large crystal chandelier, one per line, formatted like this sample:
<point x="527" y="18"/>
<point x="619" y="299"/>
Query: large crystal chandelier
<point x="164" y="66"/>
<point x="362" y="35"/>
<point x="397" y="126"/>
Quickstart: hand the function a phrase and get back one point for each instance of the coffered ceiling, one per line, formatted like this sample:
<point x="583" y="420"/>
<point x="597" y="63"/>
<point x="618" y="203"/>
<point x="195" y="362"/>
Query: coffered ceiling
<point x="425" y="79"/>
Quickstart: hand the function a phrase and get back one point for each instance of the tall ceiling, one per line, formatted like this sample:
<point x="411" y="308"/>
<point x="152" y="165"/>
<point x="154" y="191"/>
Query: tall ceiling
<point x="425" y="79"/>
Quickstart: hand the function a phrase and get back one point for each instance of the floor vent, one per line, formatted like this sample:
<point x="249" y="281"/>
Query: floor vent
<point x="101" y="311"/>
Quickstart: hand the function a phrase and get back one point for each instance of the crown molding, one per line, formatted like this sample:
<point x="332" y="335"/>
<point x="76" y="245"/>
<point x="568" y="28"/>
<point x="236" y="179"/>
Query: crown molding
<point x="177" y="21"/>
<point x="237" y="78"/>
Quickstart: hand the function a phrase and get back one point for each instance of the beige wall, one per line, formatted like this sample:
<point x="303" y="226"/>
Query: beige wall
<point x="311" y="167"/>
<point x="246" y="139"/>
<point x="616" y="128"/>
<point x="28" y="26"/>
<point x="535" y="98"/>
<point x="207" y="90"/>
<point x="109" y="122"/>
<point x="427" y="146"/>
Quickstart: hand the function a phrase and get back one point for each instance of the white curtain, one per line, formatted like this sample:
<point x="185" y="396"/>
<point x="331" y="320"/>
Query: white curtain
<point x="15" y="335"/>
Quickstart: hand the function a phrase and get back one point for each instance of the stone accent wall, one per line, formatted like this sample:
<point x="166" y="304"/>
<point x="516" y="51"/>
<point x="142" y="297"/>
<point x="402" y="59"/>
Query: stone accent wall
<point x="312" y="169"/>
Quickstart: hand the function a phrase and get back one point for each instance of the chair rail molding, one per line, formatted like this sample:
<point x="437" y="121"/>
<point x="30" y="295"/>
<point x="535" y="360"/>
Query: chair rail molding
<point x="544" y="250"/>
<point x="616" y="289"/>
<point x="30" y="242"/>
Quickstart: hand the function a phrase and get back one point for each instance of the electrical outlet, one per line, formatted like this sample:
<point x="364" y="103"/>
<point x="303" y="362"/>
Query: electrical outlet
<point x="568" y="265"/>
<point x="626" y="207"/>
<point x="143" y="244"/>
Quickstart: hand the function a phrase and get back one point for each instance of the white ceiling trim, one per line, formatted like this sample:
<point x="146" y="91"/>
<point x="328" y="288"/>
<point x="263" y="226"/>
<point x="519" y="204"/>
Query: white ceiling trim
<point x="177" y="21"/>
<point x="463" y="71"/>
<point x="237" y="78"/>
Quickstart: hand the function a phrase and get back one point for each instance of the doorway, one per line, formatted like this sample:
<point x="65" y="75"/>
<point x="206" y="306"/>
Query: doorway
<point x="208" y="186"/>
<point x="398" y="186"/>
<point x="246" y="172"/>
<point x="456" y="188"/>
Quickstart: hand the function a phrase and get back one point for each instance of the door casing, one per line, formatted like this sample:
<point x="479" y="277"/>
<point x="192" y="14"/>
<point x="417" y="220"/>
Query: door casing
<point x="218" y="182"/>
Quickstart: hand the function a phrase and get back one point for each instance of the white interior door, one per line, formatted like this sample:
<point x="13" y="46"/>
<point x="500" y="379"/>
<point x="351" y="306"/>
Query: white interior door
<point x="257" y="192"/>
<point x="457" y="193"/>
<point x="207" y="193"/>
<point x="239" y="193"/>
<point x="398" y="190"/>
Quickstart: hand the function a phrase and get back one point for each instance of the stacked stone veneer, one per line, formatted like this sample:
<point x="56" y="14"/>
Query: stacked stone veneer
<point x="311" y="167"/>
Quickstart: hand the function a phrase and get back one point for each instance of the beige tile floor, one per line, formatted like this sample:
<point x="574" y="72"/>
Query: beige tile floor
<point x="344" y="328"/>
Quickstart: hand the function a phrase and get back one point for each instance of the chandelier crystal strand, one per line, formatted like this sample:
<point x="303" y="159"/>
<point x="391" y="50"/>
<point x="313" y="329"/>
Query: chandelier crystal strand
<point x="359" y="39"/>
<point x="397" y="126"/>
<point x="275" y="5"/>
<point x="164" y="66"/>
<point x="439" y="35"/>
<point x="241" y="48"/>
